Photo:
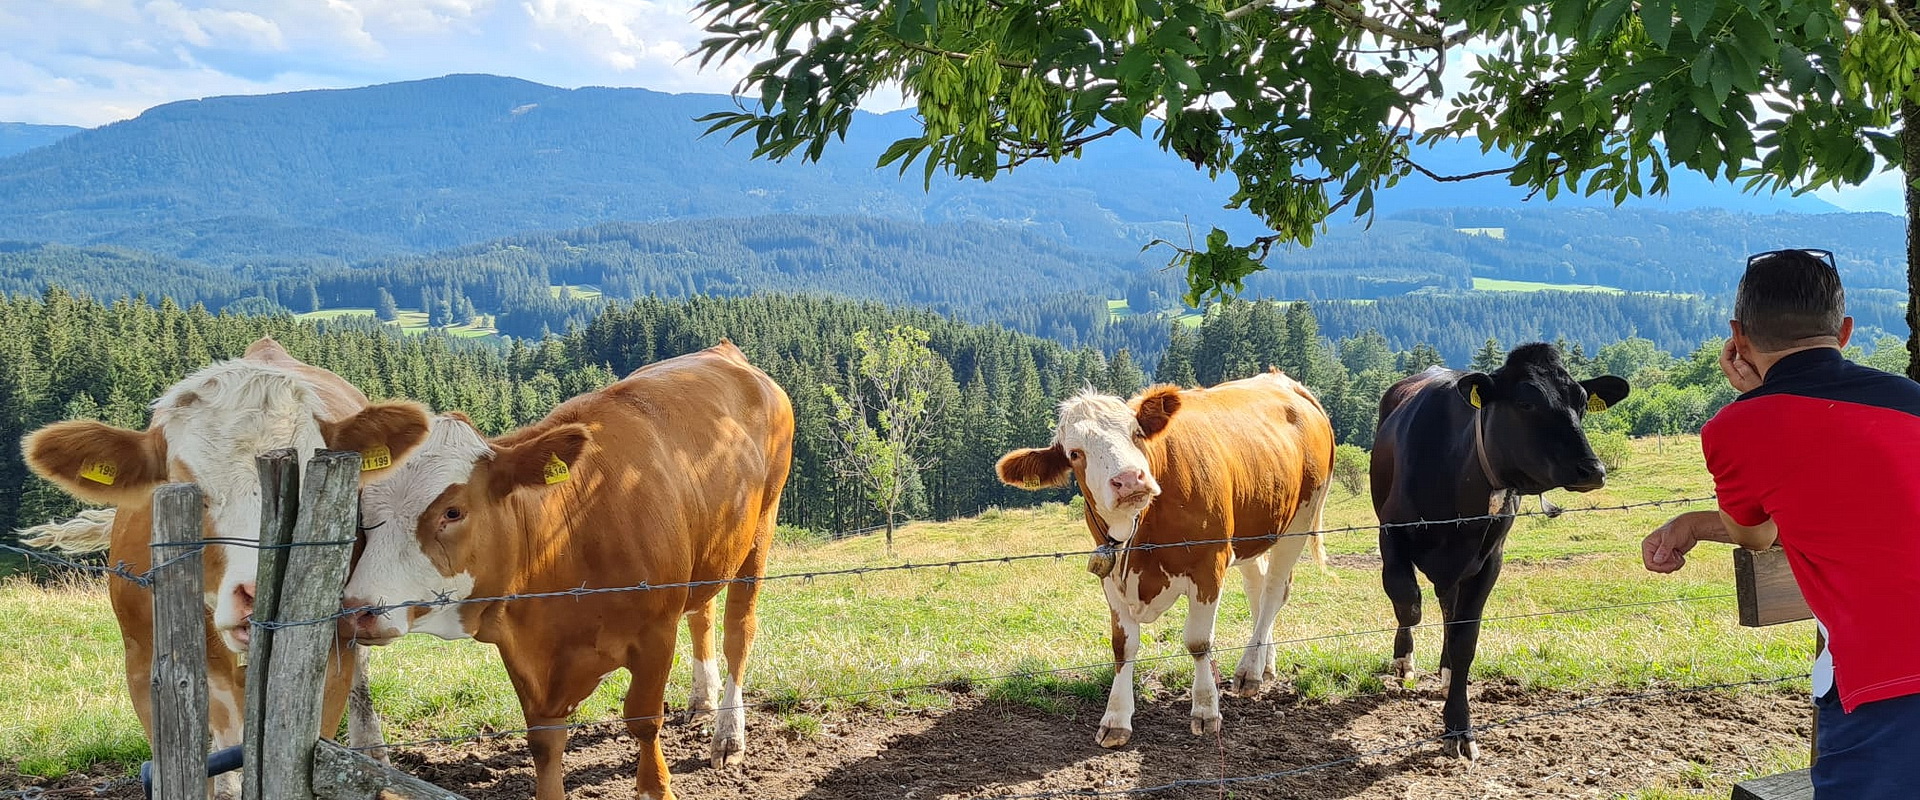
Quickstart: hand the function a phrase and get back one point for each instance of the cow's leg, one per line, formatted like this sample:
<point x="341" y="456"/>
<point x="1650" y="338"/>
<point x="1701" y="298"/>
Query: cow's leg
<point x="1456" y="657"/>
<point x="1116" y="727"/>
<point x="551" y="685"/>
<point x="1256" y="663"/>
<point x="645" y="709"/>
<point x="363" y="720"/>
<point x="1206" y="688"/>
<point x="706" y="669"/>
<point x="730" y="726"/>
<point x="1403" y="589"/>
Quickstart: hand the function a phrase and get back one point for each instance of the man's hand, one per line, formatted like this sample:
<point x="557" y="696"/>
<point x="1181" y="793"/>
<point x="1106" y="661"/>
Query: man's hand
<point x="1739" y="373"/>
<point x="1665" y="550"/>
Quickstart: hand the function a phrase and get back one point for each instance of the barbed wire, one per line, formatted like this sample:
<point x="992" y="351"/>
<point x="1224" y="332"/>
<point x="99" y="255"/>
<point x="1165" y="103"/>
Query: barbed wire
<point x="964" y="680"/>
<point x="1195" y="783"/>
<point x="143" y="579"/>
<point x="953" y="564"/>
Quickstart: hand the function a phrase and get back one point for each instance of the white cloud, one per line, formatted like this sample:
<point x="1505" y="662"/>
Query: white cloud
<point x="89" y="62"/>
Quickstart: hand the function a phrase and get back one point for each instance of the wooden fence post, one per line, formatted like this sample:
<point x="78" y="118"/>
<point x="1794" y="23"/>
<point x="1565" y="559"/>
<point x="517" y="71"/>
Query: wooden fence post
<point x="279" y="508"/>
<point x="1769" y="595"/>
<point x="179" y="696"/>
<point x="310" y="589"/>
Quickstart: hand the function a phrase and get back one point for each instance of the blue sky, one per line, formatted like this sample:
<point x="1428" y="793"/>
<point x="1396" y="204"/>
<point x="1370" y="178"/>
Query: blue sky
<point x="91" y="62"/>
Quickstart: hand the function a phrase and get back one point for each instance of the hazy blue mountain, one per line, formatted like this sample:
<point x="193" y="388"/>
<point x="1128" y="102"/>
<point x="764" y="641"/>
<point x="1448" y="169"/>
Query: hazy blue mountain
<point x="19" y="137"/>
<point x="424" y="165"/>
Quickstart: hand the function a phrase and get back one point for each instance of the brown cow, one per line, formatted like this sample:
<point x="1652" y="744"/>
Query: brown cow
<point x="1243" y="459"/>
<point x="671" y="475"/>
<point x="207" y="429"/>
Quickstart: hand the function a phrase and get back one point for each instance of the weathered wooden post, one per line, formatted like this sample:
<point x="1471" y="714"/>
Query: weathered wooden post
<point x="179" y="646"/>
<point x="314" y="576"/>
<point x="1770" y="596"/>
<point x="279" y="508"/>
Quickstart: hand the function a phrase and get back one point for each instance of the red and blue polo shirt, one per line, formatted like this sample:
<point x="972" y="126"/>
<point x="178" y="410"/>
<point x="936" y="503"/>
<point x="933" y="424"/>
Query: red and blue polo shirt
<point x="1830" y="451"/>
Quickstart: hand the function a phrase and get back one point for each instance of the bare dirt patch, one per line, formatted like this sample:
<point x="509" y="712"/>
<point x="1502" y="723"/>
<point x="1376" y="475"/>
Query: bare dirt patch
<point x="983" y="748"/>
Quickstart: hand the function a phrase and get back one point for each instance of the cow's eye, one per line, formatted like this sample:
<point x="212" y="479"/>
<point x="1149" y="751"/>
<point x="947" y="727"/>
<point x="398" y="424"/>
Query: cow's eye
<point x="1076" y="455"/>
<point x="453" y="515"/>
<point x="1524" y="405"/>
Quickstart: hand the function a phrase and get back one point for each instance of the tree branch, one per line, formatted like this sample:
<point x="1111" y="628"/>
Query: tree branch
<point x="1036" y="150"/>
<point x="962" y="57"/>
<point x="1353" y="14"/>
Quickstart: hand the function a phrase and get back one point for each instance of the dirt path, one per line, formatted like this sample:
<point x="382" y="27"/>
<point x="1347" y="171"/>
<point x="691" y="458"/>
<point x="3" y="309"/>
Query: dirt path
<point x="980" y="748"/>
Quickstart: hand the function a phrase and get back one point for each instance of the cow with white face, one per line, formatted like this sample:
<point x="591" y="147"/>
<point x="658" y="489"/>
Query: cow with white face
<point x="208" y="429"/>
<point x="671" y="476"/>
<point x="1180" y="484"/>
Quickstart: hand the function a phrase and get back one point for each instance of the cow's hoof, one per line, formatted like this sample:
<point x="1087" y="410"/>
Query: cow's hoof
<point x="700" y="710"/>
<point x="1462" y="747"/>
<point x="1246" y="685"/>
<point x="1205" y="725"/>
<point x="728" y="752"/>
<point x="1113" y="737"/>
<point x="1402" y="668"/>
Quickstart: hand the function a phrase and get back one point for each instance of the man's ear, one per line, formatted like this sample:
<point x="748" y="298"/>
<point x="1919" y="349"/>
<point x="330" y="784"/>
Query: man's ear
<point x="1476" y="388"/>
<point x="1846" y="330"/>
<point x="1604" y="391"/>
<point x="1156" y="408"/>
<point x="96" y="462"/>
<point x="383" y="434"/>
<point x="545" y="459"/>
<point x="1035" y="468"/>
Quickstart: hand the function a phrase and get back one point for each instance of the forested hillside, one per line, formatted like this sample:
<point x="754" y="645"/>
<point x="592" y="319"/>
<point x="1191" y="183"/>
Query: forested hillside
<point x="17" y="137"/>
<point x="63" y="357"/>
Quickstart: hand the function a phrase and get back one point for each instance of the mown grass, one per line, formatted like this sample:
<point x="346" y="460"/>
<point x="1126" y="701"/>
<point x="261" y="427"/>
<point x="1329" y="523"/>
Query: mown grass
<point x="845" y="641"/>
<point x="583" y="291"/>
<point x="1497" y="285"/>
<point x="411" y="322"/>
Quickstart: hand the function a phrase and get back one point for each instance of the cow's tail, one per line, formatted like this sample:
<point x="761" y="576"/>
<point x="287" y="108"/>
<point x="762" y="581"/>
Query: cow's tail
<point x="1319" y="502"/>
<point x="90" y="532"/>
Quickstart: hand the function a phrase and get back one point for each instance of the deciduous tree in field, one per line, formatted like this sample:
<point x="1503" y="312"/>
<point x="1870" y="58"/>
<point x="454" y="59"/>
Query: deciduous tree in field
<point x="1313" y="105"/>
<point x="886" y="414"/>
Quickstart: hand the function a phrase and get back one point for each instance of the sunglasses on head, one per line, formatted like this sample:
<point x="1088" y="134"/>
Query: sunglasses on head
<point x="1825" y="255"/>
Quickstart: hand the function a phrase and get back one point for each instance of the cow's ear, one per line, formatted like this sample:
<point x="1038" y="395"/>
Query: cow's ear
<point x="1604" y="391"/>
<point x="1035" y="468"/>
<point x="383" y="434"/>
<point x="1476" y="388"/>
<point x="1156" y="408"/>
<point x="546" y="459"/>
<point x="96" y="462"/>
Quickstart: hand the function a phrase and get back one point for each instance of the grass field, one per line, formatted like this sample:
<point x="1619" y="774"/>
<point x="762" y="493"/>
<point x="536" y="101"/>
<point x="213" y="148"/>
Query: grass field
<point x="1491" y="233"/>
<point x="66" y="701"/>
<point x="1495" y="285"/>
<point x="412" y="322"/>
<point x="584" y="291"/>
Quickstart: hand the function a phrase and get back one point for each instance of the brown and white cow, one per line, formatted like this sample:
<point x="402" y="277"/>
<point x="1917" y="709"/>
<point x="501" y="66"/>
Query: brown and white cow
<point x="671" y="475"/>
<point x="207" y="429"/>
<point x="1243" y="459"/>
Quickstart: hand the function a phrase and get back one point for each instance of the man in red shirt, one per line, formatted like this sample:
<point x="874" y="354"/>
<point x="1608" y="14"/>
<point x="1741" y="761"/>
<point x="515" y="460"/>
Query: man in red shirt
<point x="1823" y="456"/>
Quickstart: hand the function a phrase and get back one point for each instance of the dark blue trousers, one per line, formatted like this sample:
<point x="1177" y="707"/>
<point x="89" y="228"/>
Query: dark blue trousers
<point x="1870" y="754"/>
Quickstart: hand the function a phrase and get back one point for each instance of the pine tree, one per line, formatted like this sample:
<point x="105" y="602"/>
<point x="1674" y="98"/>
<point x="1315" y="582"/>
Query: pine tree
<point x="1489" y="357"/>
<point x="384" y="308"/>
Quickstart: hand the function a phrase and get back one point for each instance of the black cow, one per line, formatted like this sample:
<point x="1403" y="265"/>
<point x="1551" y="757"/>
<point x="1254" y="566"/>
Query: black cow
<point x="1457" y="444"/>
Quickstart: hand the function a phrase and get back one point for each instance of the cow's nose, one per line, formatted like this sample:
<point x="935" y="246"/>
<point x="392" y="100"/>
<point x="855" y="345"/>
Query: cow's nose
<point x="243" y="598"/>
<point x="1129" y="482"/>
<point x="1589" y="477"/>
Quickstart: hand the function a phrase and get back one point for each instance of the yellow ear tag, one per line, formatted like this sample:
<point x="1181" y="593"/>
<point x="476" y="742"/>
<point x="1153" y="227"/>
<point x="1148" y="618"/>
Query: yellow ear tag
<point x="375" y="457"/>
<point x="1473" y="396"/>
<point x="556" y="470"/>
<point x="1595" y="405"/>
<point x="101" y="472"/>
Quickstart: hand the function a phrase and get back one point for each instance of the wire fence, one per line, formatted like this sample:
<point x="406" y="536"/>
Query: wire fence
<point x="145" y="579"/>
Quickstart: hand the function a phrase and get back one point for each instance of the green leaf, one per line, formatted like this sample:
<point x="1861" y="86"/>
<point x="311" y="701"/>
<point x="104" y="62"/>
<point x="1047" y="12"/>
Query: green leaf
<point x="1565" y="16"/>
<point x="1179" y="70"/>
<point x="1657" y="17"/>
<point x="1697" y="13"/>
<point x="1608" y="17"/>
